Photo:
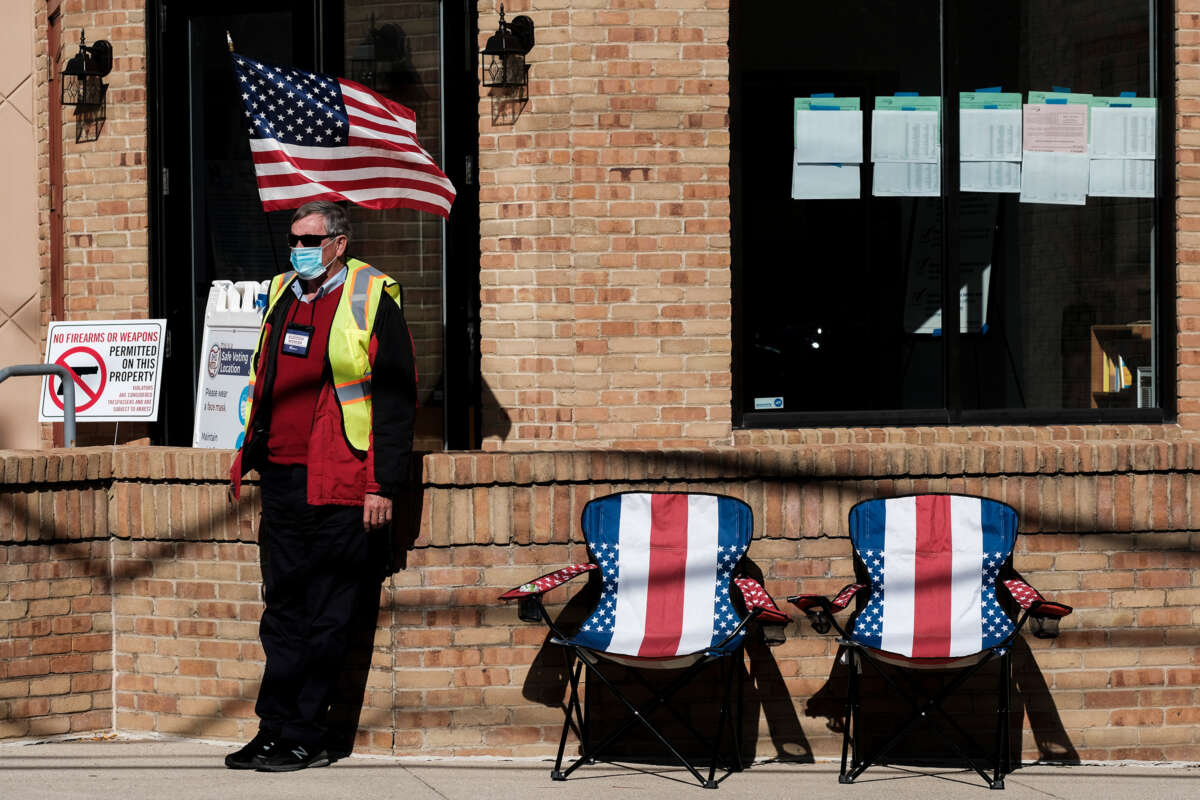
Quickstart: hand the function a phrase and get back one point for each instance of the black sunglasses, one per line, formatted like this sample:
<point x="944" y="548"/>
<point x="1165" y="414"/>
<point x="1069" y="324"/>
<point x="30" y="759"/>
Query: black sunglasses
<point x="307" y="239"/>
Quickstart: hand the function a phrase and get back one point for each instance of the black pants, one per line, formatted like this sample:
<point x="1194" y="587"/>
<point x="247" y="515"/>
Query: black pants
<point x="315" y="559"/>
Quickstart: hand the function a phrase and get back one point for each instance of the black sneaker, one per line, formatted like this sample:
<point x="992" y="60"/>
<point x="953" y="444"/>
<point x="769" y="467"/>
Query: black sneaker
<point x="250" y="755"/>
<point x="289" y="757"/>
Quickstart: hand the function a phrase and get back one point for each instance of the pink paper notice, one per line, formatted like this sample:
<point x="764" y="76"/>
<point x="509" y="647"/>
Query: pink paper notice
<point x="1056" y="128"/>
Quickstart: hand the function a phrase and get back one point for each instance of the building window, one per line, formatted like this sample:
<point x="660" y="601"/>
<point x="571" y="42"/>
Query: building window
<point x="1061" y="312"/>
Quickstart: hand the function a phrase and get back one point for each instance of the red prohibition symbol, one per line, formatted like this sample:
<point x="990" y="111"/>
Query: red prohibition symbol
<point x="92" y="396"/>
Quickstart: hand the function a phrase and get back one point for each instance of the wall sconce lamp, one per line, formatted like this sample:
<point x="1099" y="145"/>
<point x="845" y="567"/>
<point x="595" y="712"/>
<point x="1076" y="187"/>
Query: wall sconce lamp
<point x="82" y="83"/>
<point x="503" y="59"/>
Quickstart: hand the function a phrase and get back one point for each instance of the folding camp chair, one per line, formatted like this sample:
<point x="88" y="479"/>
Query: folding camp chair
<point x="932" y="562"/>
<point x="667" y="562"/>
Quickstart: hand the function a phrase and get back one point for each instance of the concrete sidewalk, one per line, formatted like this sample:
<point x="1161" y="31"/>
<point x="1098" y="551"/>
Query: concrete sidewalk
<point x="145" y="769"/>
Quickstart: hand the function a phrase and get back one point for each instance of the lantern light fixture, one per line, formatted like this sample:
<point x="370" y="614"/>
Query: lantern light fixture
<point x="503" y="59"/>
<point x="82" y="77"/>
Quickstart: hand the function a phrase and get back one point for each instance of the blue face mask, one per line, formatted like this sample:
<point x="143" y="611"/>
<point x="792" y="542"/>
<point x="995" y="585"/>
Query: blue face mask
<point x="307" y="262"/>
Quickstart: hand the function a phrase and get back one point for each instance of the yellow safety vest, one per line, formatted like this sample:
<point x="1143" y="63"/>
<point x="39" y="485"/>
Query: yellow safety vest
<point x="349" y="340"/>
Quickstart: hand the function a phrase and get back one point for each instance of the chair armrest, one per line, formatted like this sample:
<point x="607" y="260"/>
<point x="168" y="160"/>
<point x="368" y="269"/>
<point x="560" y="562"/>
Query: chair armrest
<point x="547" y="581"/>
<point x="1032" y="601"/>
<point x="1043" y="614"/>
<point x="756" y="599"/>
<point x="805" y="602"/>
<point x="771" y="620"/>
<point x="820" y="609"/>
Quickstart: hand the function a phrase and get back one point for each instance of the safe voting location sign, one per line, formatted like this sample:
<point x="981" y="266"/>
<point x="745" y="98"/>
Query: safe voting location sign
<point x="231" y="330"/>
<point x="117" y="367"/>
<point x="224" y="386"/>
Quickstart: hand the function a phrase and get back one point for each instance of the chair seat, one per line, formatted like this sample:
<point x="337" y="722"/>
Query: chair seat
<point x="661" y="662"/>
<point x="897" y="660"/>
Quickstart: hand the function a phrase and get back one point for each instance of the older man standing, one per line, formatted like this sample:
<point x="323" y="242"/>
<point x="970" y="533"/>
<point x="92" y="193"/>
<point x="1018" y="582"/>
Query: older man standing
<point x="329" y="429"/>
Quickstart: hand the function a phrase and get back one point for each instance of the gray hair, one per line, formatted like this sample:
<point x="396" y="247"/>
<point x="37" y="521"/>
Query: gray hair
<point x="336" y="221"/>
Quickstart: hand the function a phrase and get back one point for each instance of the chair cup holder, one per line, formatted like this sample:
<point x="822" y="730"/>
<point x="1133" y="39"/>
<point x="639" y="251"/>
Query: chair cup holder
<point x="820" y="620"/>
<point x="1043" y="627"/>
<point x="773" y="633"/>
<point x="529" y="609"/>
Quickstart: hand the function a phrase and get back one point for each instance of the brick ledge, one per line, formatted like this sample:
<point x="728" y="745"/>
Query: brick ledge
<point x="543" y="467"/>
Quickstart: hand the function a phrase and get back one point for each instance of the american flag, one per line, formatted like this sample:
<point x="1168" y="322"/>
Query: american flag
<point x="315" y="137"/>
<point x="933" y="561"/>
<point x="667" y="561"/>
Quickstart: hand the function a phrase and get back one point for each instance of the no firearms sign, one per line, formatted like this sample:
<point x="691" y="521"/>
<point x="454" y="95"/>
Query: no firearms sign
<point x="116" y="364"/>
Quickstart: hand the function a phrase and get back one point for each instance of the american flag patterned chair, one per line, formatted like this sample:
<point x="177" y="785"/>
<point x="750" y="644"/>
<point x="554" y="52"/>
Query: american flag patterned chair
<point x="933" y="562"/>
<point x="668" y="564"/>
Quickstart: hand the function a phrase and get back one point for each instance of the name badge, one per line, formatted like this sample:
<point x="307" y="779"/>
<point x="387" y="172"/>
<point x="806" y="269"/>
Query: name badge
<point x="296" y="339"/>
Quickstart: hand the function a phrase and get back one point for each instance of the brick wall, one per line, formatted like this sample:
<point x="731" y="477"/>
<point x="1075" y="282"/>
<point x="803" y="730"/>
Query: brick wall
<point x="105" y="189"/>
<point x="1187" y="223"/>
<point x="55" y="639"/>
<point x="605" y="230"/>
<point x="55" y="596"/>
<point x="1110" y="527"/>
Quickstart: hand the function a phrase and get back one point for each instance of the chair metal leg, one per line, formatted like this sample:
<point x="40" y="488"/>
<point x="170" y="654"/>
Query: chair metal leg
<point x="736" y="726"/>
<point x="585" y="725"/>
<point x="572" y="703"/>
<point x="1002" y="713"/>
<point x="851" y="718"/>
<point x="722" y="720"/>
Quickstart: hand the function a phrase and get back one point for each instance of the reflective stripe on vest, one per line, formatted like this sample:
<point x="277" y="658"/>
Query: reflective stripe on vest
<point x="353" y="392"/>
<point x="349" y="342"/>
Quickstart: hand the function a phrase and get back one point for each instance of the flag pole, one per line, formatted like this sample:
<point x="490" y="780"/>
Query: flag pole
<point x="229" y="41"/>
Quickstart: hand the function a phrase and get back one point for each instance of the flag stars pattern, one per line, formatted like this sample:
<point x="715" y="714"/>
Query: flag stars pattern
<point x="755" y="596"/>
<point x="724" y="618"/>
<point x="996" y="625"/>
<point x="604" y="618"/>
<point x="549" y="581"/>
<point x="869" y="624"/>
<point x="268" y="111"/>
<point x="1022" y="592"/>
<point x="843" y="598"/>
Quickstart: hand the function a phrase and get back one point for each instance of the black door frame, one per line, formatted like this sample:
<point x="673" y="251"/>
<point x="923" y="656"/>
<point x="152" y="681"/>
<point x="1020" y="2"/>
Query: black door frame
<point x="168" y="179"/>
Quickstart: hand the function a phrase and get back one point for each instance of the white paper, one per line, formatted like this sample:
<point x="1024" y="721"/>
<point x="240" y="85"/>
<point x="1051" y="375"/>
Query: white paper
<point x="1060" y="178"/>
<point x="829" y="137"/>
<point x="907" y="180"/>
<point x="1123" y="132"/>
<point x="1124" y="177"/>
<point x="909" y="137"/>
<point x="990" y="134"/>
<point x="825" y="182"/>
<point x="989" y="176"/>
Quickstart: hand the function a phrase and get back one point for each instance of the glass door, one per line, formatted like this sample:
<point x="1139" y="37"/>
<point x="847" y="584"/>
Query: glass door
<point x="207" y="222"/>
